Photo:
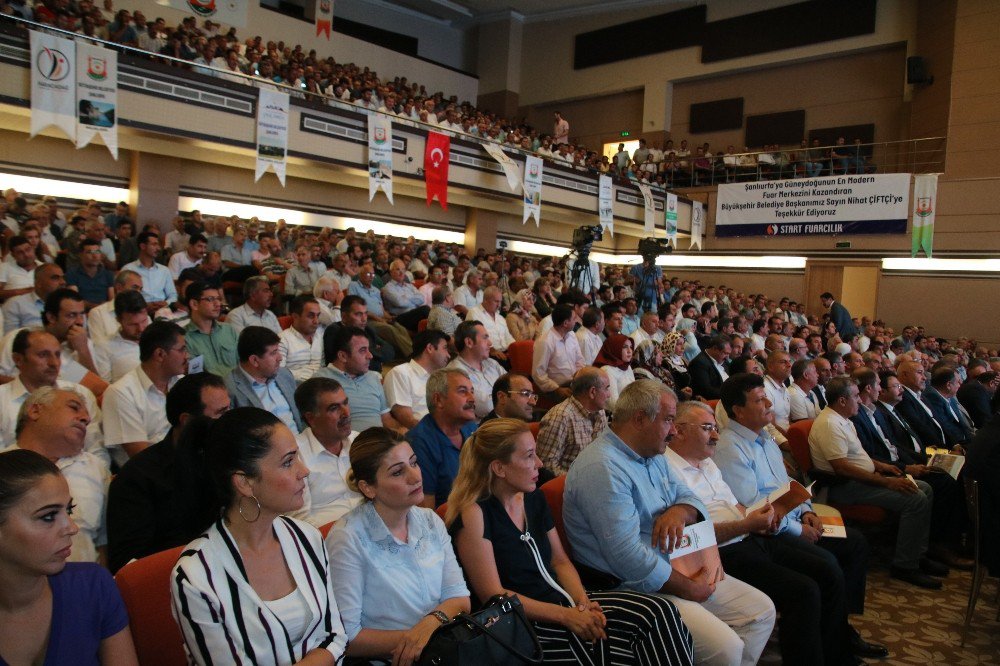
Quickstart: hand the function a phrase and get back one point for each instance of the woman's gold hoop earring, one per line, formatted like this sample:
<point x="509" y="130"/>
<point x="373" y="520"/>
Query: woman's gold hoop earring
<point x="239" y="507"/>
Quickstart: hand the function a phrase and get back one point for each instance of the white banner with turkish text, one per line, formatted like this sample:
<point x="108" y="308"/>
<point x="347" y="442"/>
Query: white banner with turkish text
<point x="605" y="203"/>
<point x="379" y="155"/>
<point x="670" y="206"/>
<point x="97" y="95"/>
<point x="272" y="133"/>
<point x="53" y="83"/>
<point x="509" y="166"/>
<point x="649" y="207"/>
<point x="532" y="189"/>
<point x="697" y="223"/>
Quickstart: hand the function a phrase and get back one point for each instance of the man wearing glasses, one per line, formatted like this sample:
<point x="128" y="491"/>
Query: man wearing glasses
<point x="513" y="398"/>
<point x="214" y="342"/>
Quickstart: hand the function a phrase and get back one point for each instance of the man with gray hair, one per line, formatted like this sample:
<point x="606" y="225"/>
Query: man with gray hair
<point x="329" y="296"/>
<point x="254" y="312"/>
<point x="442" y="316"/>
<point x="488" y="314"/>
<point x="625" y="511"/>
<point x="438" y="437"/>
<point x="401" y="299"/>
<point x="574" y="423"/>
<point x="469" y="295"/>
<point x="53" y="422"/>
<point x="101" y="320"/>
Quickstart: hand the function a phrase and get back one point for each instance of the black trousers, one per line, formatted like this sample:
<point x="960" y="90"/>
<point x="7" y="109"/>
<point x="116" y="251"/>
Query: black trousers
<point x="852" y="555"/>
<point x="807" y="586"/>
<point x="411" y="318"/>
<point x="949" y="517"/>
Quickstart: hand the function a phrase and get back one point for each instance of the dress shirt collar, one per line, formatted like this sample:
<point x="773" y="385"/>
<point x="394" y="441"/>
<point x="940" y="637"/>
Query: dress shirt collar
<point x="891" y="408"/>
<point x="18" y="391"/>
<point x="744" y="432"/>
<point x="681" y="462"/>
<point x="619" y="444"/>
<point x="253" y="382"/>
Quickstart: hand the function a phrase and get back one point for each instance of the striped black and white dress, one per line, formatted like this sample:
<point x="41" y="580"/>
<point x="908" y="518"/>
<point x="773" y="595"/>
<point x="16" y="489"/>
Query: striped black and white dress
<point x="224" y="621"/>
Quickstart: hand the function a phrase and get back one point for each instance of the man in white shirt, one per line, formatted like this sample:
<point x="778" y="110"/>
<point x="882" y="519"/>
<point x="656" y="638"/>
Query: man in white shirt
<point x="301" y="343"/>
<point x="473" y="344"/>
<point x="340" y="272"/>
<point x="254" y="312"/>
<point x="488" y="314"/>
<point x="54" y="424"/>
<point x="406" y="385"/>
<point x="189" y="257"/>
<point x="325" y="448"/>
<point x="26" y="310"/>
<point x="779" y="368"/>
<point x="835" y="448"/>
<point x="118" y="356"/>
<point x="589" y="335"/>
<point x="17" y="271"/>
<point x="329" y="296"/>
<point x="649" y="329"/>
<point x="557" y="355"/>
<point x="157" y="283"/>
<point x="803" y="403"/>
<point x="101" y="320"/>
<point x="135" y="405"/>
<point x="469" y="295"/>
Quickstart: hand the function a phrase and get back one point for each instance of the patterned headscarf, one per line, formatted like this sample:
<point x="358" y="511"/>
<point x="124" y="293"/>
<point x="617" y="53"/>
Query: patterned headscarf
<point x="669" y="343"/>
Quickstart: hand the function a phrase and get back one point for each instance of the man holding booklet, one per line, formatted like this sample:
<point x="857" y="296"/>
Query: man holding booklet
<point x="804" y="580"/>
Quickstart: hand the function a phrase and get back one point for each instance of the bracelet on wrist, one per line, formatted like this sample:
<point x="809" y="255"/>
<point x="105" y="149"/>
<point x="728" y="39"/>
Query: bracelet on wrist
<point x="439" y="616"/>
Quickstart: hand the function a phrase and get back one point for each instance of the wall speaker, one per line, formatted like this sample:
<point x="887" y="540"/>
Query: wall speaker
<point x="916" y="71"/>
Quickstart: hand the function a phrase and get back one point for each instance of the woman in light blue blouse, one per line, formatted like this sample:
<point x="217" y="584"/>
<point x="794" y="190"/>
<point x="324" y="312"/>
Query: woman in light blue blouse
<point x="395" y="575"/>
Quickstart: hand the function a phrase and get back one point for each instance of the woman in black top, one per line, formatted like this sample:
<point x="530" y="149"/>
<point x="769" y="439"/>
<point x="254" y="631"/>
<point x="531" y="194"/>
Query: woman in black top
<point x="507" y="543"/>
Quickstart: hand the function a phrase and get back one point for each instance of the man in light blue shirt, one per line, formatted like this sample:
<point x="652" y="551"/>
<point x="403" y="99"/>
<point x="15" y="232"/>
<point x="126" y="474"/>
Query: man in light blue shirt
<point x="351" y="356"/>
<point x="157" y="283"/>
<point x="402" y="299"/>
<point x="381" y="322"/>
<point x="260" y="381"/>
<point x="625" y="511"/>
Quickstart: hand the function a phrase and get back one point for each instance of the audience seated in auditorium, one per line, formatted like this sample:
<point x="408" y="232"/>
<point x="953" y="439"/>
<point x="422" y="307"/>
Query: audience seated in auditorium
<point x="406" y="384"/>
<point x="472" y="343"/>
<point x="382" y="322"/>
<point x="350" y="367"/>
<point x="119" y="354"/>
<point x="325" y="447"/>
<point x="83" y="607"/>
<point x="153" y="500"/>
<point x="392" y="599"/>
<point x="206" y="337"/>
<point x="513" y="398"/>
<point x="259" y="380"/>
<point x="354" y="313"/>
<point x="557" y="357"/>
<point x="624" y="511"/>
<point x="282" y="584"/>
<point x="615" y="358"/>
<point x="301" y="344"/>
<point x="496" y="499"/>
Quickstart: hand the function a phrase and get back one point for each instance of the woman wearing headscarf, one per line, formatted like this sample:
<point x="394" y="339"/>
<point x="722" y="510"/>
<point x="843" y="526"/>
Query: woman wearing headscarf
<point x="615" y="357"/>
<point x="522" y="320"/>
<point x="647" y="363"/>
<point x="672" y="348"/>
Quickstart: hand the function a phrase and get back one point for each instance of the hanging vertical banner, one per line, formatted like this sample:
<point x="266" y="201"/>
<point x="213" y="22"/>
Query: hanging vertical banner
<point x="53" y="83"/>
<point x="508" y="165"/>
<point x="324" y="17"/>
<point x="605" y="205"/>
<point x="532" y="189"/>
<point x="379" y="155"/>
<point x="96" y="95"/>
<point x="924" y="205"/>
<point x="670" y="206"/>
<point x="230" y="12"/>
<point x="697" y="223"/>
<point x="437" y="152"/>
<point x="650" y="207"/>
<point x="272" y="133"/>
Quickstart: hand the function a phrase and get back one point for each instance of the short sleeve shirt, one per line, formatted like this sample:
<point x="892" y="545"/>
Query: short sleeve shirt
<point x="437" y="456"/>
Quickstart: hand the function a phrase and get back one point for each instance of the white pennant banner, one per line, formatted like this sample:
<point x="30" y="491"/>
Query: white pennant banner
<point x="53" y="83"/>
<point x="697" y="223"/>
<point x="650" y="208"/>
<point x="97" y="95"/>
<point x="670" y="207"/>
<point x="605" y="203"/>
<point x="379" y="155"/>
<point x="532" y="189"/>
<point x="230" y="12"/>
<point x="509" y="166"/>
<point x="272" y="133"/>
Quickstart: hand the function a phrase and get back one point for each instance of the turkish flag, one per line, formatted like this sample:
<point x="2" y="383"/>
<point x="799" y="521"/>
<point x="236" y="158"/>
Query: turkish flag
<point x="436" y="155"/>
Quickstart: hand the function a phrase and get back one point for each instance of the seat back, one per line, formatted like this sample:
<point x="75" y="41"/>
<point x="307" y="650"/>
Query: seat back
<point x="442" y="510"/>
<point x="325" y="529"/>
<point x="798" y="441"/>
<point x="533" y="426"/>
<point x="553" y="491"/>
<point x="421" y="326"/>
<point x="285" y="322"/>
<point x="145" y="588"/>
<point x="519" y="353"/>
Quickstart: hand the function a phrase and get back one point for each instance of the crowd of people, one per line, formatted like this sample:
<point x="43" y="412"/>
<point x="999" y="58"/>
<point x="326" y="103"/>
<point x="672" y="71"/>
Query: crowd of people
<point x="213" y="51"/>
<point x="248" y="383"/>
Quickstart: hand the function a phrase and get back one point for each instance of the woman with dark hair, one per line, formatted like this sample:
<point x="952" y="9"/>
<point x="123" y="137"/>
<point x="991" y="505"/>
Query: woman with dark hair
<point x="256" y="586"/>
<point x="615" y="356"/>
<point x="397" y="578"/>
<point x="51" y="612"/>
<point x="507" y="542"/>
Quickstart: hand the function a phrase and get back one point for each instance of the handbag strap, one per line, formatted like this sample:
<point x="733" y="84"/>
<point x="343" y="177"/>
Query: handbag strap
<point x="509" y="605"/>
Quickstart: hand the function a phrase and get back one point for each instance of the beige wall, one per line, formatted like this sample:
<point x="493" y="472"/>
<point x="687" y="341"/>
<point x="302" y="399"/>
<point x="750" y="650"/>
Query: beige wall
<point x="775" y="285"/>
<point x="947" y="306"/>
<point x="593" y="121"/>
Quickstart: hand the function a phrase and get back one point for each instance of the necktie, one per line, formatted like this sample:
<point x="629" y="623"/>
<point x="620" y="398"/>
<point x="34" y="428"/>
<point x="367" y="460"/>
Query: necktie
<point x="820" y="397"/>
<point x="909" y="430"/>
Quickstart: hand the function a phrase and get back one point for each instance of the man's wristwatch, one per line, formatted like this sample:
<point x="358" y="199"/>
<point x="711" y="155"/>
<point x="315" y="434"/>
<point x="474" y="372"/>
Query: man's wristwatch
<point x="441" y="617"/>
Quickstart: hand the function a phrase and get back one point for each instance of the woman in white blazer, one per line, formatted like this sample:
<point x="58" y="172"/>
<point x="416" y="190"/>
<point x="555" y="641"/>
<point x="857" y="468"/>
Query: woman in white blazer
<point x="256" y="587"/>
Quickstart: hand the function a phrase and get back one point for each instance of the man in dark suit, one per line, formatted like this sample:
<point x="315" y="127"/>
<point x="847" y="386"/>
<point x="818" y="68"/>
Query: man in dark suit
<point x="983" y="465"/>
<point x="938" y="396"/>
<point x="839" y="315"/>
<point x="976" y="394"/>
<point x="260" y="381"/>
<point x="892" y="442"/>
<point x="707" y="369"/>
<point x="912" y="408"/>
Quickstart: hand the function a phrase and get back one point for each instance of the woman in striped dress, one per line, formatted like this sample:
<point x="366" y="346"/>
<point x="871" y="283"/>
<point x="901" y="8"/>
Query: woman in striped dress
<point x="255" y="588"/>
<point x="507" y="543"/>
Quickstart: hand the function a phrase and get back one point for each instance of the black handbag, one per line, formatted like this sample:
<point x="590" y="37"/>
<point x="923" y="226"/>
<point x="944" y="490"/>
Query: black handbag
<point x="499" y="633"/>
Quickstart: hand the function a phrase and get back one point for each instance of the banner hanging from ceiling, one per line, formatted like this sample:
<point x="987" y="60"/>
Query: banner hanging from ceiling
<point x="97" y="96"/>
<point x="272" y="133"/>
<point x="230" y="12"/>
<point x="379" y="155"/>
<point x="53" y="83"/>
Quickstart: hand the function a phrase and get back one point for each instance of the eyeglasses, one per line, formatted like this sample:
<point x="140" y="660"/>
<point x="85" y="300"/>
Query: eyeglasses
<point x="210" y="299"/>
<point x="524" y="393"/>
<point x="707" y="427"/>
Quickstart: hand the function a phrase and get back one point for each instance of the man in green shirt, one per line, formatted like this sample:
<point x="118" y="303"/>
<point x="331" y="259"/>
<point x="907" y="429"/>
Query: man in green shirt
<point x="214" y="342"/>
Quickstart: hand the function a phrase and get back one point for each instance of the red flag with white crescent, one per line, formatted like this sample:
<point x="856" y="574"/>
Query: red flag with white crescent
<point x="436" y="156"/>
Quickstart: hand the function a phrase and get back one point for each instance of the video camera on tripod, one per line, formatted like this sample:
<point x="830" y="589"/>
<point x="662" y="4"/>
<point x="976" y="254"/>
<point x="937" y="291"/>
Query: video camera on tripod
<point x="585" y="236"/>
<point x="651" y="248"/>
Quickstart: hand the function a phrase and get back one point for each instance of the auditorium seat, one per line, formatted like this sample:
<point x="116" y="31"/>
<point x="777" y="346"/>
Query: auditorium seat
<point x="145" y="587"/>
<point x="553" y="491"/>
<point x="798" y="440"/>
<point x="534" y="426"/>
<point x="712" y="403"/>
<point x="519" y="353"/>
<point x="442" y="510"/>
<point x="285" y="321"/>
<point x="325" y="529"/>
<point x="421" y="326"/>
